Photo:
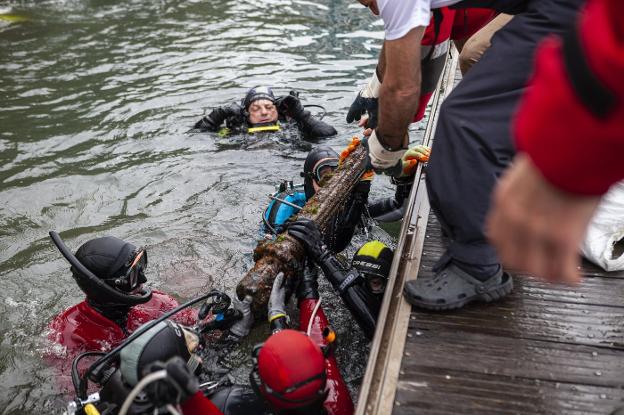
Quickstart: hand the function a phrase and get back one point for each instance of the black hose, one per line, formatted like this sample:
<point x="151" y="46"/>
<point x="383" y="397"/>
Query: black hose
<point x="322" y="115"/>
<point x="75" y="376"/>
<point x="96" y="367"/>
<point x="267" y="224"/>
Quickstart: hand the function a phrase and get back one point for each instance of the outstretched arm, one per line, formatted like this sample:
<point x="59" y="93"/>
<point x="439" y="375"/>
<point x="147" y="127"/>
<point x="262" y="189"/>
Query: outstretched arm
<point x="400" y="90"/>
<point x="348" y="282"/>
<point x="214" y="120"/>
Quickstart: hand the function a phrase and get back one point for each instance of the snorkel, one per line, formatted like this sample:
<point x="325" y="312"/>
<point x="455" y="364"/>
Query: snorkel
<point x="116" y="296"/>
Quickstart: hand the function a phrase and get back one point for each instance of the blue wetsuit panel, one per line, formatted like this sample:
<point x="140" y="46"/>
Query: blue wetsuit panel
<point x="278" y="213"/>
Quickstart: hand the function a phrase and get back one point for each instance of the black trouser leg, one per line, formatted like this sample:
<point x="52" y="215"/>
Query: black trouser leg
<point x="473" y="143"/>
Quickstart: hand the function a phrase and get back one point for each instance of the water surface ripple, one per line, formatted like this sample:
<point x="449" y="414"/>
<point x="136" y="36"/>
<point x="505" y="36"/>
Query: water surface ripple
<point x="97" y="99"/>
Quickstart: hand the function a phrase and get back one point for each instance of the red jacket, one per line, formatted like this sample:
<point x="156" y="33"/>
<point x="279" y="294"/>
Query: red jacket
<point x="80" y="328"/>
<point x="452" y="25"/>
<point x="576" y="147"/>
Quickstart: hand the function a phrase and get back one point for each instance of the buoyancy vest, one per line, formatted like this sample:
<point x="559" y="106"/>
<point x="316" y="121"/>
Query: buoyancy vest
<point x="283" y="205"/>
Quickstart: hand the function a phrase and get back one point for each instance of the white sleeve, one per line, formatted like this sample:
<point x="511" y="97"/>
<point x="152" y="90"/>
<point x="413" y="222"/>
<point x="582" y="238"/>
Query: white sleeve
<point x="401" y="16"/>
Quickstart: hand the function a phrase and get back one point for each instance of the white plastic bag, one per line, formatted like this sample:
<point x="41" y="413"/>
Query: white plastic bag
<point x="605" y="230"/>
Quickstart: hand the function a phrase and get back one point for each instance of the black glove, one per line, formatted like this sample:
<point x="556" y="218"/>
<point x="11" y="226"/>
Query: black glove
<point x="308" y="233"/>
<point x="361" y="106"/>
<point x="313" y="128"/>
<point x="308" y="285"/>
<point x="403" y="188"/>
<point x="361" y="190"/>
<point x="290" y="105"/>
<point x="213" y="121"/>
<point x="179" y="385"/>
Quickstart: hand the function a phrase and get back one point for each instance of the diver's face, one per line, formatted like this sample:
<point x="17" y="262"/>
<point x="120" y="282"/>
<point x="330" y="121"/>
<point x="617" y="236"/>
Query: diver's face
<point x="372" y="5"/>
<point x="262" y="111"/>
<point x="376" y="284"/>
<point x="322" y="173"/>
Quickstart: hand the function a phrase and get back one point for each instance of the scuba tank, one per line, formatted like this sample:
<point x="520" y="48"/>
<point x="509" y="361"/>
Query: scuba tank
<point x="120" y="372"/>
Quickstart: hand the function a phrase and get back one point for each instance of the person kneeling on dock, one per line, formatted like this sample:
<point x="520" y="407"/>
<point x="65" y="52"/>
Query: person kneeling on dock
<point x="260" y="111"/>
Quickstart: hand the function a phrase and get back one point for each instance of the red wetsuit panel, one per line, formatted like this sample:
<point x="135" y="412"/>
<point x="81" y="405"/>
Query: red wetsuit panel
<point x="432" y="62"/>
<point x="80" y="328"/>
<point x="338" y="400"/>
<point x="574" y="149"/>
<point x="198" y="404"/>
<point x="467" y="22"/>
<point x="444" y="33"/>
<point x="159" y="304"/>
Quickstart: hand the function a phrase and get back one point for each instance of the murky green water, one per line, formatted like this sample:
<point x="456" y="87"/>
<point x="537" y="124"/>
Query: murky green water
<point x="96" y="100"/>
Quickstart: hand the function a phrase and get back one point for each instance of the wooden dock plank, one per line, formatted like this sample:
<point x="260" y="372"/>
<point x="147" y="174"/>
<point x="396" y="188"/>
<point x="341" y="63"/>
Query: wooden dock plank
<point x="456" y="392"/>
<point x="546" y="349"/>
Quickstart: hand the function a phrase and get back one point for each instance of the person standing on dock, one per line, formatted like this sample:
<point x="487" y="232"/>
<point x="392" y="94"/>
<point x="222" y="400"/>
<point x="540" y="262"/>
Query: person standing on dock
<point x="472" y="146"/>
<point x="570" y="134"/>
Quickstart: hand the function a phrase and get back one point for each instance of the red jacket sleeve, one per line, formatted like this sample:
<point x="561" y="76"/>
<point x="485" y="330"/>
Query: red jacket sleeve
<point x="575" y="147"/>
<point x="198" y="404"/>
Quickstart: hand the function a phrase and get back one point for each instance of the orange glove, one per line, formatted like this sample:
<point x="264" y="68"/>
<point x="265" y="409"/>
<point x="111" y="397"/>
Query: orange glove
<point x="355" y="142"/>
<point x="412" y="157"/>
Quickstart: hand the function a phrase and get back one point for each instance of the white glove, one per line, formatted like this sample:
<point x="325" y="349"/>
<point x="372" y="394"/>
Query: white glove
<point x="371" y="90"/>
<point x="382" y="159"/>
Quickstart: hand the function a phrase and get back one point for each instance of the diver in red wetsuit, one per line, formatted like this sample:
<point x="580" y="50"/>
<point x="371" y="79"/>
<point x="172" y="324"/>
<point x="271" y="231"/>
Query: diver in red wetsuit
<point x="294" y="373"/>
<point x="111" y="273"/>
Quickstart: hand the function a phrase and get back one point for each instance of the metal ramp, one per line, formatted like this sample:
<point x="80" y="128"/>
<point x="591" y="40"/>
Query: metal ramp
<point x="543" y="350"/>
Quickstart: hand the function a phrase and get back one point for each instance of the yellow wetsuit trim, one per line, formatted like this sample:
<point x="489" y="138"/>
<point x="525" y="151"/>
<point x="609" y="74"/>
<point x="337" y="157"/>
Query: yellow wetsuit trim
<point x="264" y="128"/>
<point x="275" y="317"/>
<point x="90" y="409"/>
<point x="13" y="18"/>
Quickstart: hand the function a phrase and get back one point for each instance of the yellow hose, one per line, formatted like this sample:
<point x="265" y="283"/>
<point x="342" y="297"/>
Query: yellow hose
<point x="90" y="409"/>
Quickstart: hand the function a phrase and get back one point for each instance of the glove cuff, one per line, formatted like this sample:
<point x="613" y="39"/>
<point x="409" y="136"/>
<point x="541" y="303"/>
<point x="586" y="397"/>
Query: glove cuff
<point x="371" y="90"/>
<point x="381" y="156"/>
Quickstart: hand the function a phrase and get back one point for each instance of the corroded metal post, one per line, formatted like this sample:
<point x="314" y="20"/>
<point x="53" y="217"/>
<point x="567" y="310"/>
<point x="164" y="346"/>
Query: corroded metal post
<point x="285" y="253"/>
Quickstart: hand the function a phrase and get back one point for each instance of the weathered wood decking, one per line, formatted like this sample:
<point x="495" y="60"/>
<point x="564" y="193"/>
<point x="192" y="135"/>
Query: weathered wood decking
<point x="543" y="350"/>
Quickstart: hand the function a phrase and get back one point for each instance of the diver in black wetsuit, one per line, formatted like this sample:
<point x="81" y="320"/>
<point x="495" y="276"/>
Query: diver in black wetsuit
<point x="362" y="285"/>
<point x="261" y="111"/>
<point x="288" y="201"/>
<point x="392" y="209"/>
